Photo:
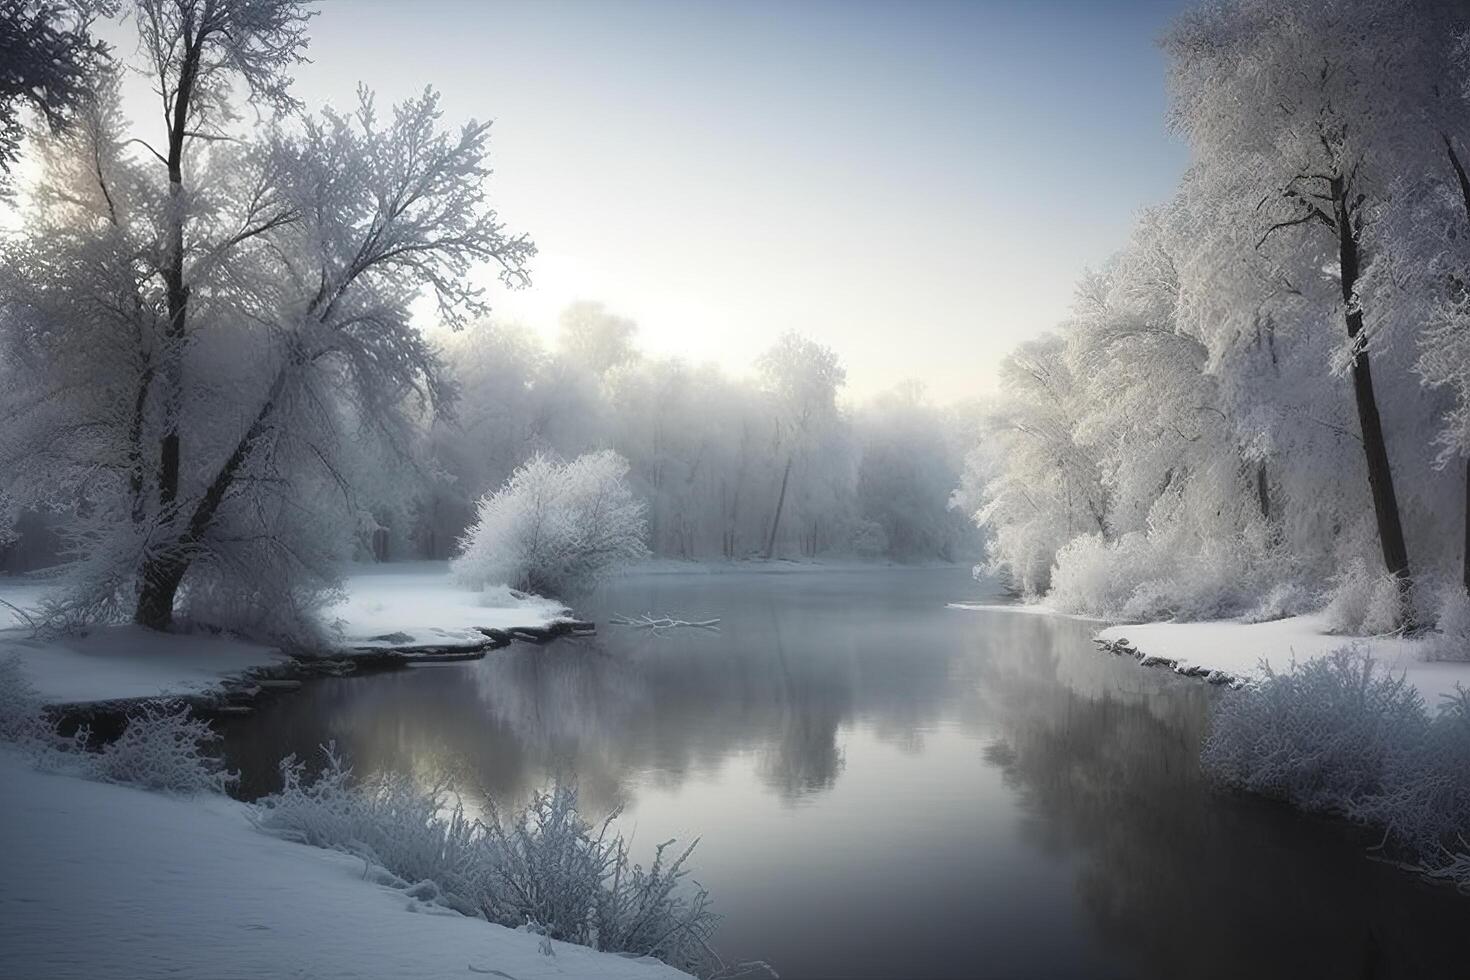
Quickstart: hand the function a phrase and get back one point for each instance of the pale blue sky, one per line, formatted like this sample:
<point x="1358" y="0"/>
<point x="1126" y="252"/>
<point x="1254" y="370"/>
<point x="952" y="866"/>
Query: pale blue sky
<point x="917" y="185"/>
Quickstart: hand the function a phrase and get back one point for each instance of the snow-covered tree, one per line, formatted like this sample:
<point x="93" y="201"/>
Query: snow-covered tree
<point x="1291" y="320"/>
<point x="1050" y="488"/>
<point x="802" y="377"/>
<point x="233" y="310"/>
<point x="1305" y="119"/>
<point x="596" y="339"/>
<point x="47" y="54"/>
<point x="555" y="528"/>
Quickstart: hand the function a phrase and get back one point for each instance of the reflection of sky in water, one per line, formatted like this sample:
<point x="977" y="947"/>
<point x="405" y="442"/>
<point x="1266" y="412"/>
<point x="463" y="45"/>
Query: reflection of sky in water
<point x="886" y="786"/>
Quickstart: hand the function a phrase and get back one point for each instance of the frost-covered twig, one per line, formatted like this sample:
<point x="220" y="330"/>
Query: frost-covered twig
<point x="543" y="868"/>
<point x="660" y="624"/>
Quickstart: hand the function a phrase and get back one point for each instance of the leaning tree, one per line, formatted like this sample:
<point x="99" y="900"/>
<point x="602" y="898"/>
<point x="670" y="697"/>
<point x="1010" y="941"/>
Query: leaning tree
<point x="252" y="334"/>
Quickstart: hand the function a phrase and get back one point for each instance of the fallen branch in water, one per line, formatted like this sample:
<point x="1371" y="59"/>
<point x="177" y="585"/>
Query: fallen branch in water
<point x="660" y="625"/>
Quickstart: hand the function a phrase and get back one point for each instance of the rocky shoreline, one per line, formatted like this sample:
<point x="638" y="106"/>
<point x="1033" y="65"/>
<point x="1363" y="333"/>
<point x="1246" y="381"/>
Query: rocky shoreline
<point x="1122" y="648"/>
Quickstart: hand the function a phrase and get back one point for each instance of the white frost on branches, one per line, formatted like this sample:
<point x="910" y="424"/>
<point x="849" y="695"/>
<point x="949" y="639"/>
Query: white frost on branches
<point x="206" y="349"/>
<point x="555" y="528"/>
<point x="544" y="865"/>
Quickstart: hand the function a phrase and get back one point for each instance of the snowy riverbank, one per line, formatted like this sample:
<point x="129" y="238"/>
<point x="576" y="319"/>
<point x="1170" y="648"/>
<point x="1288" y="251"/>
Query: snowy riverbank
<point x="1239" y="648"/>
<point x="109" y="881"/>
<point x="417" y="602"/>
<point x="409" y="602"/>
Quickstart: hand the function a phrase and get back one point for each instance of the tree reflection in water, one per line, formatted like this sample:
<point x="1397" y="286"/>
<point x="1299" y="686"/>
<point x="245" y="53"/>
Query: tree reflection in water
<point x="888" y="786"/>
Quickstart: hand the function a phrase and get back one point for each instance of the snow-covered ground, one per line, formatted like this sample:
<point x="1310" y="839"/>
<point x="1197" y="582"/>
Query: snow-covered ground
<point x="417" y="602"/>
<point x="414" y="602"/>
<point x="130" y="662"/>
<point x="106" y="881"/>
<point x="1238" y="648"/>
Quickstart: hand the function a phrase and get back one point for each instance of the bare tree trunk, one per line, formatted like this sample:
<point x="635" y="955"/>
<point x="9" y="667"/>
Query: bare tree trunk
<point x="163" y="573"/>
<point x="780" y="503"/>
<point x="135" y="447"/>
<point x="175" y="288"/>
<point x="1263" y="492"/>
<point x="160" y="586"/>
<point x="1375" y="450"/>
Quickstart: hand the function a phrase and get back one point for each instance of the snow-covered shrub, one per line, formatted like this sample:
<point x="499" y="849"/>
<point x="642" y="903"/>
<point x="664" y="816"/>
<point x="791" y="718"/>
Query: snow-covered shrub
<point x="1141" y="578"/>
<point x="1340" y="735"/>
<point x="544" y="864"/>
<point x="282" y="608"/>
<point x="645" y="912"/>
<point x="555" y="527"/>
<point x="1451" y="638"/>
<point x="578" y="883"/>
<point x="162" y="748"/>
<point x="1425" y="803"/>
<point x="409" y="830"/>
<point x="1283" y="600"/>
<point x="1325" y="735"/>
<point x="1086" y="578"/>
<point x="1364" y="602"/>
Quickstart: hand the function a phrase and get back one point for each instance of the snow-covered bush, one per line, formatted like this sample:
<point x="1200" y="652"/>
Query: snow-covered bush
<point x="1141" y="577"/>
<point x="553" y="867"/>
<point x="162" y="748"/>
<point x="1324" y="735"/>
<point x="266" y="603"/>
<point x="1283" y="600"/>
<point x="1425" y="803"/>
<point x="1340" y="735"/>
<point x="1364" y="602"/>
<point x="555" y="528"/>
<point x="1451" y="639"/>
<point x="411" y="831"/>
<point x="544" y="865"/>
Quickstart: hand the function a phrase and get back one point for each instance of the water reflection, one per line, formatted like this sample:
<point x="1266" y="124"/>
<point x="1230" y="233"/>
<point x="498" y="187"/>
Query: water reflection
<point x="888" y="787"/>
<point x="1178" y="880"/>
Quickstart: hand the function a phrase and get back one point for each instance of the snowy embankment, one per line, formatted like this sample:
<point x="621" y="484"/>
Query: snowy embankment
<point x="383" y="606"/>
<point x="118" y="662"/>
<point x="416" y="603"/>
<point x="1239" y="648"/>
<point x="106" y="881"/>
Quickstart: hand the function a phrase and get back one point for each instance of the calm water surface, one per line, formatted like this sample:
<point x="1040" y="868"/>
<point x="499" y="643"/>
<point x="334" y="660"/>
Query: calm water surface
<point x="887" y="787"/>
